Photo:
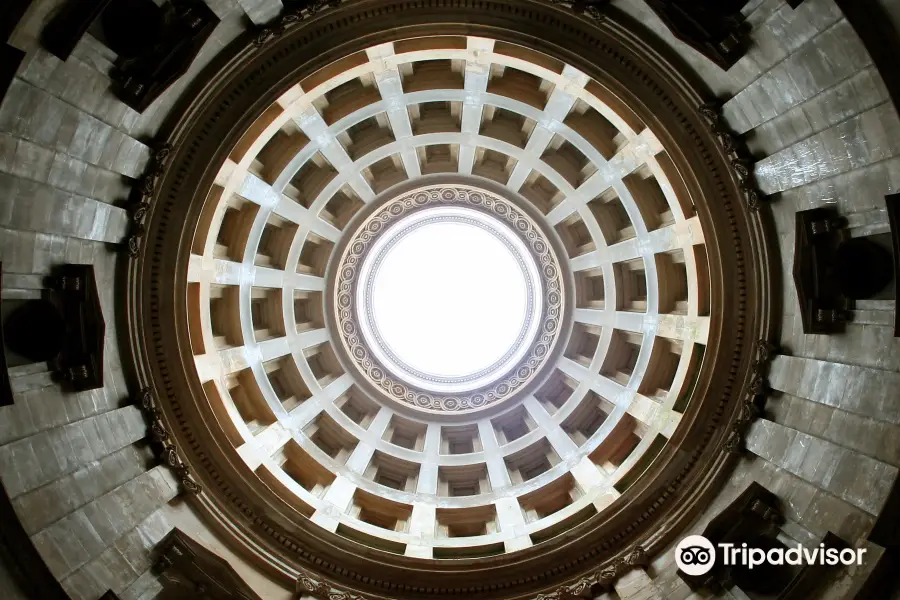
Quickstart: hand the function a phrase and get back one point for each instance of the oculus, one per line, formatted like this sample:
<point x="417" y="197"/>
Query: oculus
<point x="449" y="298"/>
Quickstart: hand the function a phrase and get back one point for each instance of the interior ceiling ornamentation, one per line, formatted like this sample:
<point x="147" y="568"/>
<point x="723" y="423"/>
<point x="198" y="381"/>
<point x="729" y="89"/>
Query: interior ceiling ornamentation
<point x="603" y="428"/>
<point x="505" y="377"/>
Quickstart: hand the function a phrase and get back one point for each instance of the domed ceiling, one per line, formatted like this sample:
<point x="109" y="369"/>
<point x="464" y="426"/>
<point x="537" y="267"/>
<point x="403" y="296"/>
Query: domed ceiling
<point x="447" y="295"/>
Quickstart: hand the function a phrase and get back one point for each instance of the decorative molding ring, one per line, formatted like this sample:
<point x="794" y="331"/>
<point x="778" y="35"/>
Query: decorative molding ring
<point x="551" y="285"/>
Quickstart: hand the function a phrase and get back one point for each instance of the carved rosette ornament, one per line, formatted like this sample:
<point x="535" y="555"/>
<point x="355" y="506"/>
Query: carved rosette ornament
<point x="591" y="9"/>
<point x="604" y="577"/>
<point x="306" y="585"/>
<point x="301" y="11"/>
<point x="159" y="433"/>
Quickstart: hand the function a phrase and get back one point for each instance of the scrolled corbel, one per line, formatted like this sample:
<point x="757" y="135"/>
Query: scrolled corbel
<point x="739" y="158"/>
<point x="144" y="190"/>
<point x="160" y="435"/>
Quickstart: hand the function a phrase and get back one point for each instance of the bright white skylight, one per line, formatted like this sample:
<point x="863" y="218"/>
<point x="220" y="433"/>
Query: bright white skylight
<point x="450" y="299"/>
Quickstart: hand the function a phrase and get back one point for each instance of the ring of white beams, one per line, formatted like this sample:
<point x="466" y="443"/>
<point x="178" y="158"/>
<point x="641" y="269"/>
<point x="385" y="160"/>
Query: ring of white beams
<point x="531" y="469"/>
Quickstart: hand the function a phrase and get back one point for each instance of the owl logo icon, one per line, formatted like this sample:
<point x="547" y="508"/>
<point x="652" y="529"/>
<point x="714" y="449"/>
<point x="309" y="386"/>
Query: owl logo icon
<point x="695" y="555"/>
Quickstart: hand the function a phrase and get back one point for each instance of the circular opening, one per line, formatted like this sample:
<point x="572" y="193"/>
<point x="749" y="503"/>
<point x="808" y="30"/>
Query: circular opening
<point x="450" y="299"/>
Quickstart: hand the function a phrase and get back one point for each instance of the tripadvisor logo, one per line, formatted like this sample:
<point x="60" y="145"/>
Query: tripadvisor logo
<point x="696" y="555"/>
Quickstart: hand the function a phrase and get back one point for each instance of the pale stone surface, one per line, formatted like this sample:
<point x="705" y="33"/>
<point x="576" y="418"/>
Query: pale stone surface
<point x="39" y="459"/>
<point x="86" y="533"/>
<point x="856" y="478"/>
<point x="261" y="11"/>
<point x="120" y="564"/>
<point x="860" y="92"/>
<point x="863" y="391"/>
<point x="860" y="141"/>
<point x="46" y="504"/>
<point x="637" y="585"/>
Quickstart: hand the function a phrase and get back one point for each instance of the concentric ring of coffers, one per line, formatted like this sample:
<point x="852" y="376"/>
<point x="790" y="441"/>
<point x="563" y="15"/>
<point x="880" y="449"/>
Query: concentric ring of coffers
<point x="540" y="329"/>
<point x="598" y="415"/>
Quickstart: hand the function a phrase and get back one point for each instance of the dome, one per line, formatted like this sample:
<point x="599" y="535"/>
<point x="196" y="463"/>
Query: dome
<point x="369" y="214"/>
<point x="483" y="298"/>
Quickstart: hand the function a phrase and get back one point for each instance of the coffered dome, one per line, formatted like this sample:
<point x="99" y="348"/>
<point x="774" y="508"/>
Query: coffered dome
<point x="332" y="393"/>
<point x="373" y="190"/>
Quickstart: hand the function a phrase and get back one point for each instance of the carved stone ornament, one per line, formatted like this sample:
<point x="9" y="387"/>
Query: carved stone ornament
<point x="592" y="9"/>
<point x="754" y="515"/>
<point x="604" y="577"/>
<point x="160" y="435"/>
<point x="350" y="316"/>
<point x="144" y="189"/>
<point x="741" y="163"/>
<point x="306" y="585"/>
<point x="64" y="328"/>
<point x="715" y="28"/>
<point x="758" y="389"/>
<point x="297" y="13"/>
<point x="188" y="569"/>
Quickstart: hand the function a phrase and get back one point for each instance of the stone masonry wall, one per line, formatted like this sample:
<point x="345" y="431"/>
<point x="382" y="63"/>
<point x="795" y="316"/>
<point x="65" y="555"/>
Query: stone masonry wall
<point x="76" y="466"/>
<point x="818" y="119"/>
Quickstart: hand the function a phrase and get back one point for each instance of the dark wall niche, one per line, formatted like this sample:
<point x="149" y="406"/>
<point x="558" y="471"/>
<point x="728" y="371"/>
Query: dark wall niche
<point x="155" y="44"/>
<point x="64" y="328"/>
<point x="11" y="12"/>
<point x="833" y="269"/>
<point x="714" y="28"/>
<point x="189" y="570"/>
<point x="754" y="518"/>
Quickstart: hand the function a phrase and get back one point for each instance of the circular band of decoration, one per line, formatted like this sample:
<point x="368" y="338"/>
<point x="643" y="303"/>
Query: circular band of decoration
<point x="358" y="269"/>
